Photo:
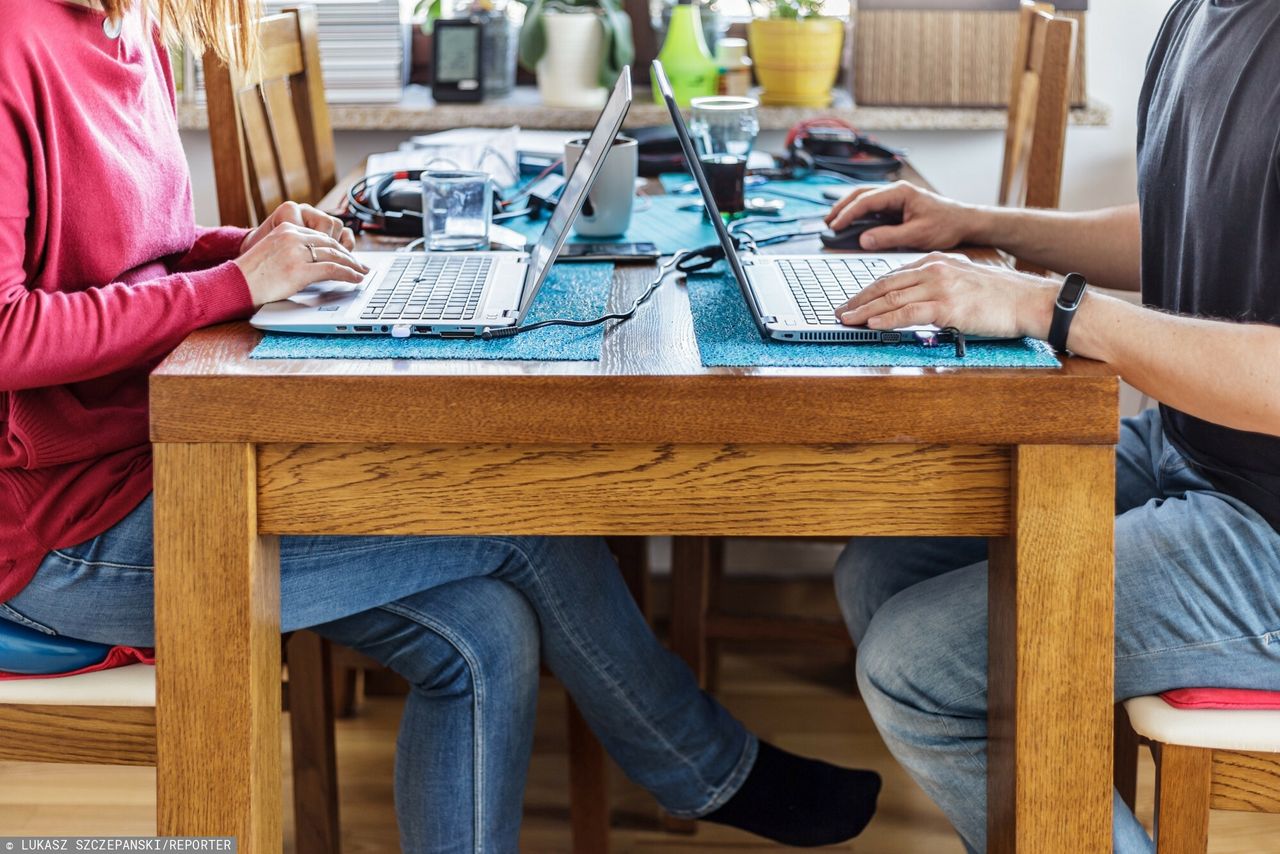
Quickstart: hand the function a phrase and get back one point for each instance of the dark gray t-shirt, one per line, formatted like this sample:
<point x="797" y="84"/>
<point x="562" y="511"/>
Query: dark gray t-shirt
<point x="1209" y="188"/>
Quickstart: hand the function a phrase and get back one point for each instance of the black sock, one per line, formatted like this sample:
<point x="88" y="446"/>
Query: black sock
<point x="800" y="802"/>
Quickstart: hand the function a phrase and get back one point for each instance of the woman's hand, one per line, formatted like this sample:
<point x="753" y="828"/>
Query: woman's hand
<point x="929" y="221"/>
<point x="290" y="257"/>
<point x="978" y="299"/>
<point x="305" y="216"/>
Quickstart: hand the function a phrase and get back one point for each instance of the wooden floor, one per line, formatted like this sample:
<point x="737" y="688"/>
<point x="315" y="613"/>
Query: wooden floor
<point x="799" y="700"/>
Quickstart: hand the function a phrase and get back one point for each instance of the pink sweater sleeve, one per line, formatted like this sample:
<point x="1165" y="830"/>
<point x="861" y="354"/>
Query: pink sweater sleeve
<point x="54" y="338"/>
<point x="212" y="246"/>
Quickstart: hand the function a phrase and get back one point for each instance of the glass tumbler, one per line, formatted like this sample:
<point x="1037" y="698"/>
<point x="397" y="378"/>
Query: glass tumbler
<point x="457" y="208"/>
<point x="724" y="125"/>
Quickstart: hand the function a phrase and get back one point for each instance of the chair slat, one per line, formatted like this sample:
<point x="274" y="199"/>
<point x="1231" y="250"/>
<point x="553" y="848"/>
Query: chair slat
<point x="266" y="185"/>
<point x="287" y="141"/>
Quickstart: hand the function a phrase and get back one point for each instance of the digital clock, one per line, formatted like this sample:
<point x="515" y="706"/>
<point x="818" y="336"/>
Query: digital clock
<point x="457" y="60"/>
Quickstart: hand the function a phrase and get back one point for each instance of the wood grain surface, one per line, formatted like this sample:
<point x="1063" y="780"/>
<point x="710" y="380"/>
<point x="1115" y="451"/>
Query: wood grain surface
<point x="1051" y="593"/>
<point x="1183" y="776"/>
<point x="1246" y="781"/>
<point x="92" y="735"/>
<point x="217" y="648"/>
<point x="879" y="490"/>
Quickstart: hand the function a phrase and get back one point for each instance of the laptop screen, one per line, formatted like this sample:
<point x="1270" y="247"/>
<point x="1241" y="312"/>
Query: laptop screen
<point x="575" y="189"/>
<point x="700" y="177"/>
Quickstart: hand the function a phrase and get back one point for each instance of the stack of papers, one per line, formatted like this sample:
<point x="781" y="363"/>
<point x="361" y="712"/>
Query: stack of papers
<point x="364" y="50"/>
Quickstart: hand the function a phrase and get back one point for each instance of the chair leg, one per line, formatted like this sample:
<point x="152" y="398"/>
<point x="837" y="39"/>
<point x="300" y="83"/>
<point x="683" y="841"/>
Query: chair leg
<point x="588" y="787"/>
<point x="1183" y="781"/>
<point x="315" y="767"/>
<point x="348" y="689"/>
<point x="632" y="554"/>
<point x="715" y="596"/>
<point x="1126" y="758"/>
<point x="690" y="600"/>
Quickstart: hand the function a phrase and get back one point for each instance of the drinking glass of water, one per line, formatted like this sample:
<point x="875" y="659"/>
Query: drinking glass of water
<point x="724" y="125"/>
<point x="456" y="210"/>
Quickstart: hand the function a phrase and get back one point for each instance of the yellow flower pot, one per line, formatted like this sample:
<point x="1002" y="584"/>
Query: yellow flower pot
<point x="796" y="60"/>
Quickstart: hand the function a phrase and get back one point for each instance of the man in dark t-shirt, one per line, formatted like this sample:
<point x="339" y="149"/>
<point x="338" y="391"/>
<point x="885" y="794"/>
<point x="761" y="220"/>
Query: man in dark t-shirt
<point x="1197" y="482"/>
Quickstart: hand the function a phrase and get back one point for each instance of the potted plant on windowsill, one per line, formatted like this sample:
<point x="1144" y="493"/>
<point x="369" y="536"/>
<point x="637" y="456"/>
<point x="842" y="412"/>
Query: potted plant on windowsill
<point x="577" y="48"/>
<point x="796" y="51"/>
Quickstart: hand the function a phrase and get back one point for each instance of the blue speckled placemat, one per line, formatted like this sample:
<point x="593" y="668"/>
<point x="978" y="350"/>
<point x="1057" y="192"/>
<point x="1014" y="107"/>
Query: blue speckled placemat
<point x="727" y="337"/>
<point x="575" y="291"/>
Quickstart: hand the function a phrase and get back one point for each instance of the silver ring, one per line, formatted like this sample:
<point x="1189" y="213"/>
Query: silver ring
<point x="312" y="248"/>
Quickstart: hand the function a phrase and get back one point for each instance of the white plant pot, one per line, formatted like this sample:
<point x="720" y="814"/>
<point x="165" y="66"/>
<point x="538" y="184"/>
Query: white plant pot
<point x="569" y="72"/>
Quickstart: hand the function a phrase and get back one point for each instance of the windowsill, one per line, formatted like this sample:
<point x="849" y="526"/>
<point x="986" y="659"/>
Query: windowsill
<point x="417" y="112"/>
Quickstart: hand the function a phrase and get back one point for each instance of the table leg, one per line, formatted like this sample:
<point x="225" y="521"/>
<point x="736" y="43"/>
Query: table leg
<point x="1052" y="655"/>
<point x="218" y="648"/>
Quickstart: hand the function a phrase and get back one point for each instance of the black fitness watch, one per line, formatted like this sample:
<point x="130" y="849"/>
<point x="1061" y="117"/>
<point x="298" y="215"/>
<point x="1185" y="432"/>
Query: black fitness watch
<point x="1064" y="310"/>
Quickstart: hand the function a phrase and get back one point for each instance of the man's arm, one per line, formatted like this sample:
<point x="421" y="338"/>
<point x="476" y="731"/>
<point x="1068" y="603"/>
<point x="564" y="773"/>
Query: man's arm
<point x="1177" y="360"/>
<point x="1180" y="361"/>
<point x="1104" y="246"/>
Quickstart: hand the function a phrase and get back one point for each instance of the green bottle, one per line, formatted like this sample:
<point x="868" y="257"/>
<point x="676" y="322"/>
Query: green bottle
<point x="684" y="55"/>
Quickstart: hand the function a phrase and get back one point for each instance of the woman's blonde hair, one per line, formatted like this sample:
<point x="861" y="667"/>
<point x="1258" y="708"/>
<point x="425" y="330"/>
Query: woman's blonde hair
<point x="227" y="27"/>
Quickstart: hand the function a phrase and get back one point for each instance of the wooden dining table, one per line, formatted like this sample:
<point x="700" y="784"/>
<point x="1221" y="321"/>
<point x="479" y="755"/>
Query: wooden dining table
<point x="645" y="441"/>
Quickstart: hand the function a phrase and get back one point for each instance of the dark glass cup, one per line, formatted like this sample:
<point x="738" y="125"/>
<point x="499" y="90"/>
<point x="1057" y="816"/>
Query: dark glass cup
<point x="727" y="177"/>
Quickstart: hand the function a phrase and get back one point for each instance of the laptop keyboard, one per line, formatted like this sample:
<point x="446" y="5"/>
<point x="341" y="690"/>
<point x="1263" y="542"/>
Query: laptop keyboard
<point x="430" y="287"/>
<point x="821" y="285"/>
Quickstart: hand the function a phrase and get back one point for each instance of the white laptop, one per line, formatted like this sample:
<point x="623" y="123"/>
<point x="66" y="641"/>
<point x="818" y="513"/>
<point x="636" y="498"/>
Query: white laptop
<point x="794" y="297"/>
<point x="450" y="294"/>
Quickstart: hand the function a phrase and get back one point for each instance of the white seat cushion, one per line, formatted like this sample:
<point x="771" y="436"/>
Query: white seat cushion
<point x="133" y="685"/>
<point x="1220" y="729"/>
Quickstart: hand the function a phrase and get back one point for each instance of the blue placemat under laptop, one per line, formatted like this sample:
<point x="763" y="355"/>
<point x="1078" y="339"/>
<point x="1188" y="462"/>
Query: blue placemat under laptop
<point x="727" y="337"/>
<point x="575" y="291"/>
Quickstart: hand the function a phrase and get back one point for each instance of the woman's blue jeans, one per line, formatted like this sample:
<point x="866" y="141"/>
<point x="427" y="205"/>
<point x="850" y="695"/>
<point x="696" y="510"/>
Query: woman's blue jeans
<point x="462" y="619"/>
<point x="1197" y="605"/>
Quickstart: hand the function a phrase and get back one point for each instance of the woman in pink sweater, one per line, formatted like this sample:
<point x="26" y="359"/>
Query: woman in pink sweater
<point x="103" y="271"/>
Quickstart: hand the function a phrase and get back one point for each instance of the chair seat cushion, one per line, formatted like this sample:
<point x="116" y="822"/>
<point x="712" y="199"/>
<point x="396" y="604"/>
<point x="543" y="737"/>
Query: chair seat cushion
<point x="27" y="652"/>
<point x="132" y="685"/>
<point x="1255" y="730"/>
<point x="1222" y="698"/>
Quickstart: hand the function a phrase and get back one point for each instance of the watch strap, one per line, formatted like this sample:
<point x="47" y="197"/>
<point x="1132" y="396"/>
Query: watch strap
<point x="1064" y="311"/>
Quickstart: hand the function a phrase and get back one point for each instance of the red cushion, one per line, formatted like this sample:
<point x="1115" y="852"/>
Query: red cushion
<point x="119" y="656"/>
<point x="1222" y="698"/>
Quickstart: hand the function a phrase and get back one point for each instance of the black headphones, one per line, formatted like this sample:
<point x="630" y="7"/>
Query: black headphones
<point x="832" y="145"/>
<point x="376" y="204"/>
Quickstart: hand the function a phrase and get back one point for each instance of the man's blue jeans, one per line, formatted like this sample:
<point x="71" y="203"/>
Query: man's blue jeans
<point x="1197" y="605"/>
<point x="462" y="619"/>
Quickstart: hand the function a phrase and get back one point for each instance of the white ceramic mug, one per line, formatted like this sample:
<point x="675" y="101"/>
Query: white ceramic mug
<point x="607" y="212"/>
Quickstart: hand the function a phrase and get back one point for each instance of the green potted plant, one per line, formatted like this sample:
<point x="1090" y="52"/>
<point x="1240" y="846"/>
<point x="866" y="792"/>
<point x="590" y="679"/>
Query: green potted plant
<point x="796" y="51"/>
<point x="577" y="48"/>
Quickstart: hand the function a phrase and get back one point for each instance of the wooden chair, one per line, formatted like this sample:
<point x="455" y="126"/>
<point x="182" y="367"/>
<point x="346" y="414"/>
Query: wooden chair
<point x="109" y="718"/>
<point x="1039" y="99"/>
<point x="1205" y="760"/>
<point x="270" y="132"/>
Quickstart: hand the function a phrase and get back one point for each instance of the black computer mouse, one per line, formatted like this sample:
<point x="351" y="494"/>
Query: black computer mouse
<point x="850" y="237"/>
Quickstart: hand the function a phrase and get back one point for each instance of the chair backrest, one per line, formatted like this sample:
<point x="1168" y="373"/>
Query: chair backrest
<point x="1039" y="100"/>
<point x="269" y="124"/>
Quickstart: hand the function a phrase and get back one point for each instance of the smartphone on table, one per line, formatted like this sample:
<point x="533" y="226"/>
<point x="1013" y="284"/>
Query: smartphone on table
<point x="616" y="252"/>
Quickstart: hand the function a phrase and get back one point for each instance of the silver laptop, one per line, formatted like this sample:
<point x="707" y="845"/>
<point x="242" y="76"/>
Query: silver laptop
<point x="794" y="297"/>
<point x="450" y="294"/>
